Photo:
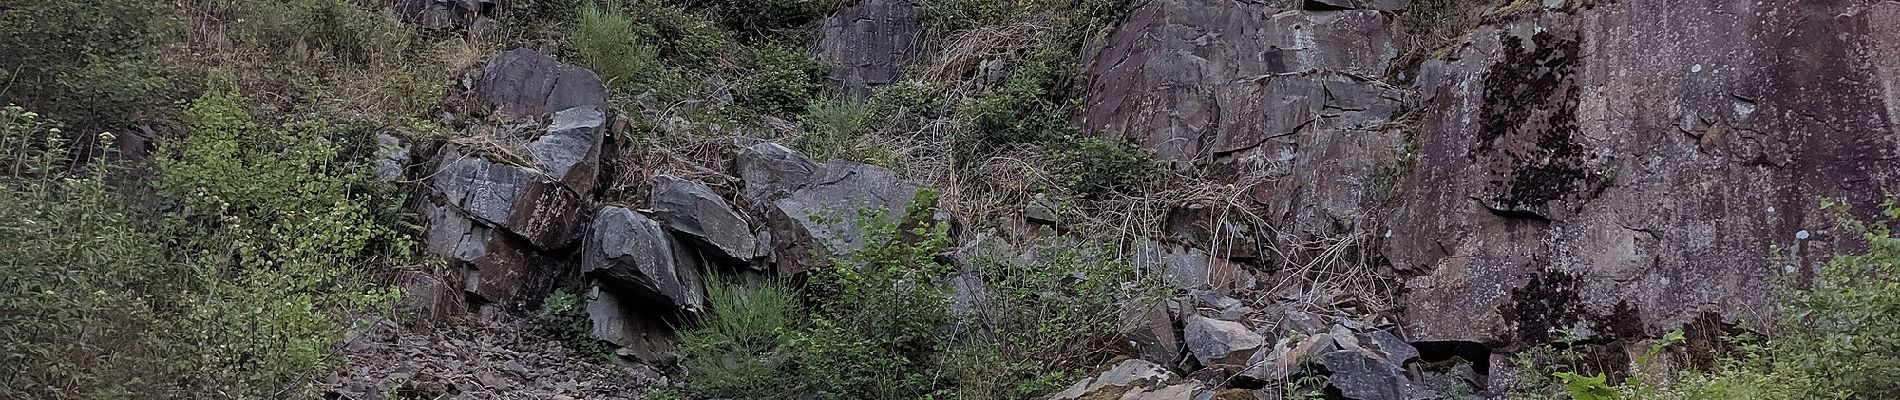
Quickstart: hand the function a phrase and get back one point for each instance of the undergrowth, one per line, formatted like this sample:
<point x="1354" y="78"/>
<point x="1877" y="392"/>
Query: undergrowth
<point x="1835" y="339"/>
<point x="879" y="324"/>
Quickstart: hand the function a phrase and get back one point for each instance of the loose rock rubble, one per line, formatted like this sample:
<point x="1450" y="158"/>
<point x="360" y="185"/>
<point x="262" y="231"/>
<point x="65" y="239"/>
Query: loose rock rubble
<point x="492" y="359"/>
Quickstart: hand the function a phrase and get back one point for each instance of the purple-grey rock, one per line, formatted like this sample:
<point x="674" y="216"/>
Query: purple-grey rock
<point x="869" y="43"/>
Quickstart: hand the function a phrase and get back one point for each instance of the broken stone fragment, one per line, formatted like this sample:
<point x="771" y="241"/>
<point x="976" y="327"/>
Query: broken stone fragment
<point x="632" y="254"/>
<point x="1217" y="342"/>
<point x="1363" y="375"/>
<point x="1130" y="375"/>
<point x="694" y="211"/>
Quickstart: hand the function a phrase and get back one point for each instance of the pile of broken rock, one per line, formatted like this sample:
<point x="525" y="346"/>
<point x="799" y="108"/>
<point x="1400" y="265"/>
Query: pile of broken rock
<point x="515" y="202"/>
<point x="1229" y="350"/>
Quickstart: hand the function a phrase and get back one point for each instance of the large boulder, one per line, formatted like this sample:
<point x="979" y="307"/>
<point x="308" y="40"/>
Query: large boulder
<point x="625" y="322"/>
<point x="523" y="83"/>
<point x="632" y="254"/>
<point x="869" y="43"/>
<point x="514" y="186"/>
<point x="822" y="218"/>
<point x="1622" y="169"/>
<point x="502" y="269"/>
<point x="694" y="211"/>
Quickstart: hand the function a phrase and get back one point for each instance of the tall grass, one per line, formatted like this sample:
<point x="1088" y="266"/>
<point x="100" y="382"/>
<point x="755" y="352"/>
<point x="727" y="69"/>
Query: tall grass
<point x="604" y="40"/>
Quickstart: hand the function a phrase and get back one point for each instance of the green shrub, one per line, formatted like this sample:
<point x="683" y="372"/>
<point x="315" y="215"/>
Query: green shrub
<point x="1078" y="18"/>
<point x="1096" y="167"/>
<point x="881" y="326"/>
<point x="1049" y="320"/>
<point x="605" y="42"/>
<point x="533" y="15"/>
<point x="1842" y="329"/>
<point x="1031" y="107"/>
<point x="85" y="61"/>
<point x="782" y="80"/>
<point x="740" y="348"/>
<point x="834" y="129"/>
<point x="564" y="318"/>
<point x="1837" y="336"/>
<point x="275" y="224"/>
<point x="87" y="301"/>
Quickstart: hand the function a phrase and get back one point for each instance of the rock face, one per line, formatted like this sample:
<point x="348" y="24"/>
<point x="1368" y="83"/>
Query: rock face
<point x="870" y="43"/>
<point x="693" y="210"/>
<point x="1283" y="96"/>
<point x="815" y="216"/>
<point x="523" y="83"/>
<point x="1575" y="175"/>
<point x="513" y="189"/>
<point x="632" y="251"/>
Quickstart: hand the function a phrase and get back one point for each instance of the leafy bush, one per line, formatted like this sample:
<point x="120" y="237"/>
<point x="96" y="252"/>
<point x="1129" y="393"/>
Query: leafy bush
<point x="85" y="61"/>
<point x="275" y="225"/>
<point x="1048" y="320"/>
<point x="1079" y="17"/>
<point x="1096" y="166"/>
<point x="564" y="318"/>
<point x="881" y="326"/>
<point x="87" y="301"/>
<point x="783" y="79"/>
<point x="832" y="129"/>
<point x="1837" y="338"/>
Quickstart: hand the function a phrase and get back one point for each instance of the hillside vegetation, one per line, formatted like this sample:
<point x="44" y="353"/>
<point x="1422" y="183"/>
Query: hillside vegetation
<point x="192" y="208"/>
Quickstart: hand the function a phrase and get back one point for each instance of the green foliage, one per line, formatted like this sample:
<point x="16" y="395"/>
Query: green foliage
<point x="537" y="14"/>
<point x="274" y="225"/>
<point x="1096" y="166"/>
<point x="760" y="21"/>
<point x="605" y="42"/>
<point x="945" y="17"/>
<point x="782" y="81"/>
<point x="740" y="349"/>
<point x="1050" y="319"/>
<point x="87" y="301"/>
<point x="1587" y="387"/>
<point x="1033" y="107"/>
<point x="1841" y="328"/>
<point x="832" y="129"/>
<point x="875" y="333"/>
<point x="1837" y="337"/>
<point x="564" y="318"/>
<point x="85" y="61"/>
<point x="881" y="326"/>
